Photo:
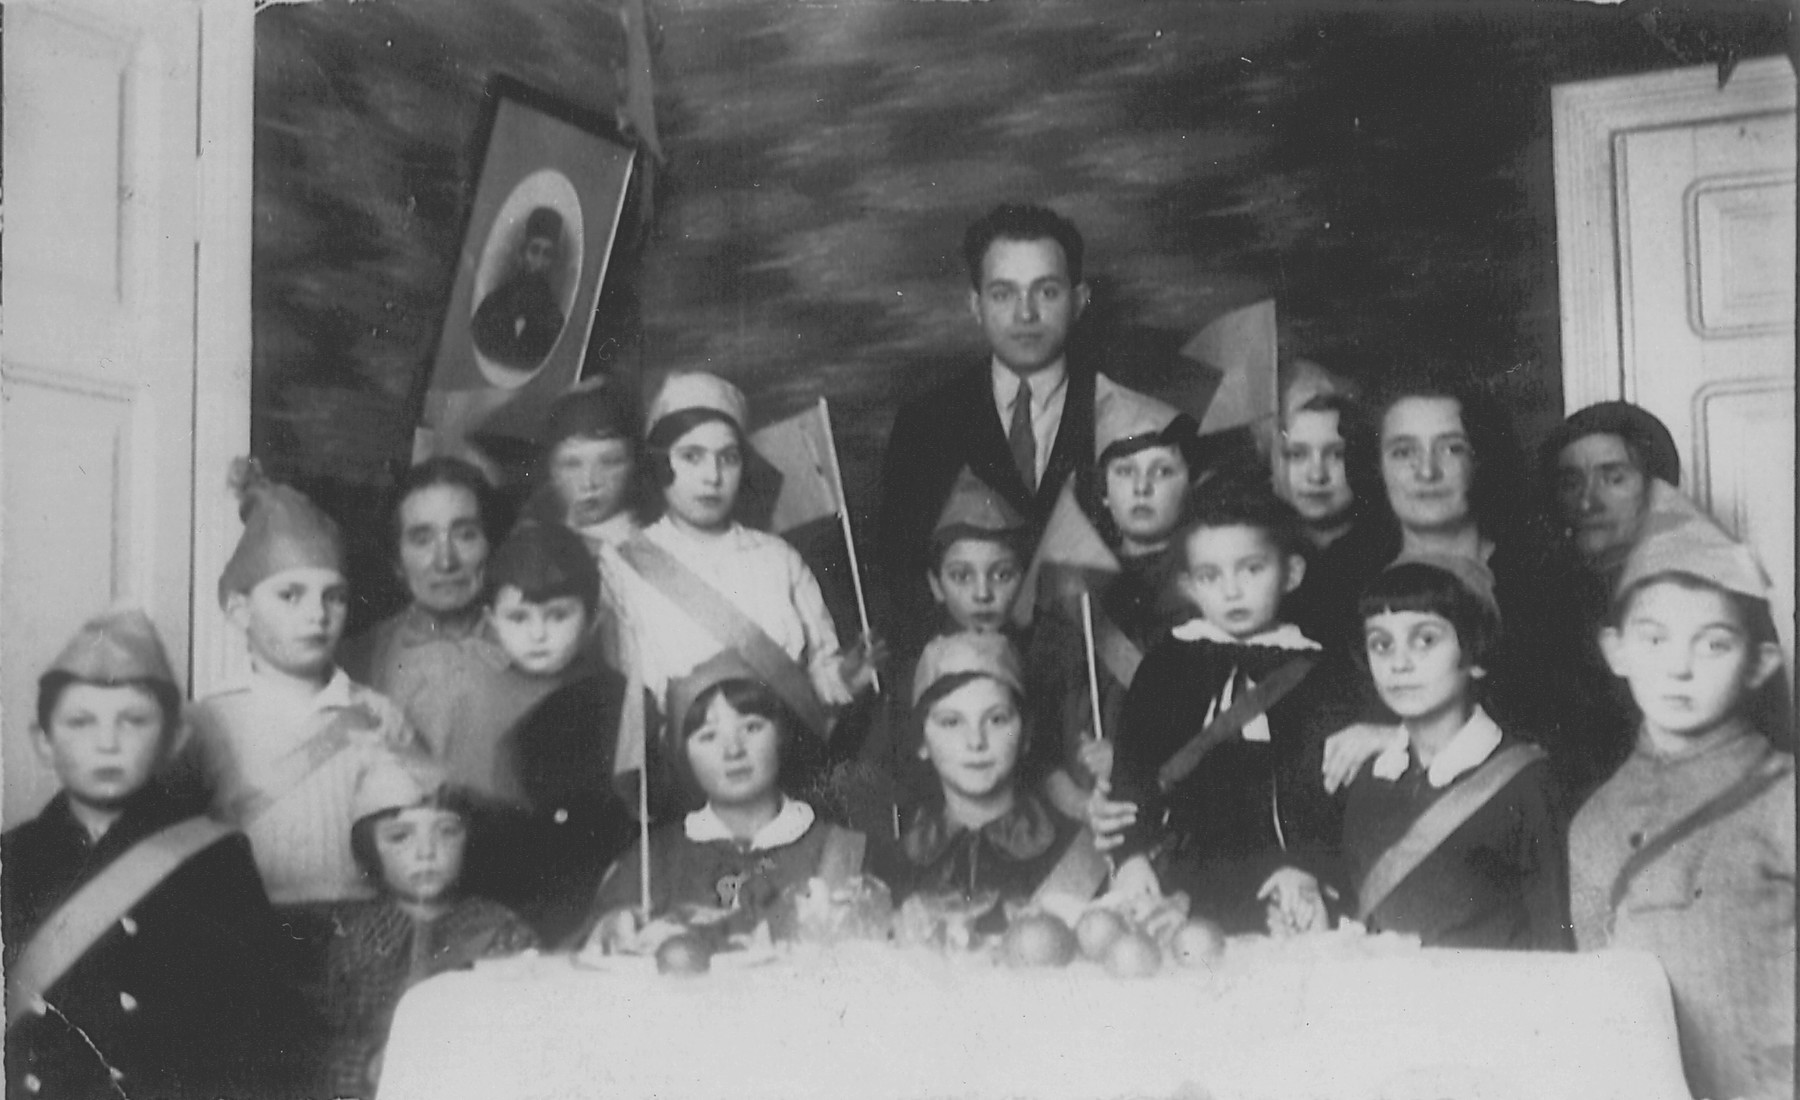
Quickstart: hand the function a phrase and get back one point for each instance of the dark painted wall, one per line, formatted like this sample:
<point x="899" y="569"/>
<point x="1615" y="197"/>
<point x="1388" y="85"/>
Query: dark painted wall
<point x="1383" y="171"/>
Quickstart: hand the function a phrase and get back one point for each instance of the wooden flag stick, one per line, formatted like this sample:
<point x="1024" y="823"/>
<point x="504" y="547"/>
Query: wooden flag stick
<point x="843" y="510"/>
<point x="643" y="793"/>
<point x="1093" y="671"/>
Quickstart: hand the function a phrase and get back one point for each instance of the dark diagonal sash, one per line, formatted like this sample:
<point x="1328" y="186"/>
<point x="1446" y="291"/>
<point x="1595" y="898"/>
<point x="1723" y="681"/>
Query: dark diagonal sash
<point x="1749" y="787"/>
<point x="1439" y="820"/>
<point x="1246" y="708"/>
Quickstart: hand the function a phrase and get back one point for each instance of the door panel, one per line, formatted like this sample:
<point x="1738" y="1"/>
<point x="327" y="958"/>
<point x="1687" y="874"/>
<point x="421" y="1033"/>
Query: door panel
<point x="97" y="371"/>
<point x="1707" y="246"/>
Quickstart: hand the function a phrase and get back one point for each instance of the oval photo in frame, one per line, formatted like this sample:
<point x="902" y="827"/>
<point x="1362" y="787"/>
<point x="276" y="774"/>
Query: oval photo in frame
<point x="526" y="278"/>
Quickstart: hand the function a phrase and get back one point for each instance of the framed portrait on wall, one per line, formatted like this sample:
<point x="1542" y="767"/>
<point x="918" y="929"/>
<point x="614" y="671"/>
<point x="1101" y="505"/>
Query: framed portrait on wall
<point x="549" y="196"/>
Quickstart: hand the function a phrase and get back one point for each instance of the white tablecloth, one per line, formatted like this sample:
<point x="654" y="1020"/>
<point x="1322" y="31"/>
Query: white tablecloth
<point x="877" y="1023"/>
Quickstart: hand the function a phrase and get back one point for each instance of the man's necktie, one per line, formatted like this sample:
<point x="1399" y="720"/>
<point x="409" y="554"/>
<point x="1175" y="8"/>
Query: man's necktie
<point x="1019" y="436"/>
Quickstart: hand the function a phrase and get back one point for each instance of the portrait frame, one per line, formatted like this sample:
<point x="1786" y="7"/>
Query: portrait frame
<point x="506" y="349"/>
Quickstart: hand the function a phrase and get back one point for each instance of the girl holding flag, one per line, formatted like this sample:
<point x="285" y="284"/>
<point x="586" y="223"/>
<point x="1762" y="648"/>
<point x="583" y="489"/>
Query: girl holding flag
<point x="695" y="581"/>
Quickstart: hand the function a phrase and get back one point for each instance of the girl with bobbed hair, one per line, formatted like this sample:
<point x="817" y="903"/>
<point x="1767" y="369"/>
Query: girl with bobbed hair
<point x="695" y="581"/>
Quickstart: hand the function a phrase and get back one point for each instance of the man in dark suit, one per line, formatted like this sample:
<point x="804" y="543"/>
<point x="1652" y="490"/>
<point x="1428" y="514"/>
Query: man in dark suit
<point x="1023" y="422"/>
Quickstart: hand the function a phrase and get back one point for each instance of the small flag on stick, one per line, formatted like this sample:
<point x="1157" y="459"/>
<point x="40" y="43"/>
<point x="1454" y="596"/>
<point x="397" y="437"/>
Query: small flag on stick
<point x="1238" y="348"/>
<point x="803" y="449"/>
<point x="1093" y="671"/>
<point x="1070" y="553"/>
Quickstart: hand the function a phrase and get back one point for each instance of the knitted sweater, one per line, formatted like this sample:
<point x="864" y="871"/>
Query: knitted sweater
<point x="257" y="752"/>
<point x="1717" y="908"/>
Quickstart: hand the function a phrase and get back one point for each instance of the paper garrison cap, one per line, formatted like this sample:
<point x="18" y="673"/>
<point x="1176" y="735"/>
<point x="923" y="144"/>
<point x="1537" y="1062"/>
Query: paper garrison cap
<point x="597" y="412"/>
<point x="1639" y="428"/>
<point x="1681" y="538"/>
<point x="119" y="645"/>
<point x="975" y="508"/>
<point x="1126" y="421"/>
<point x="987" y="654"/>
<point x="282" y="530"/>
<point x="545" y="560"/>
<point x="691" y="685"/>
<point x="684" y="390"/>
<point x="395" y="781"/>
<point x="1473" y="575"/>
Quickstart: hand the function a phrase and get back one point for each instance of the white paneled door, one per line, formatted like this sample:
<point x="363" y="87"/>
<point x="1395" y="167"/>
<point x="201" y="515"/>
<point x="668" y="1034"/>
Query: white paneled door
<point x="1676" y="208"/>
<point x="104" y="355"/>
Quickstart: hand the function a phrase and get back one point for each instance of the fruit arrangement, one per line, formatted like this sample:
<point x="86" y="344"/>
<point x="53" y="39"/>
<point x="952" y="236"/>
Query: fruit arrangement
<point x="1129" y="941"/>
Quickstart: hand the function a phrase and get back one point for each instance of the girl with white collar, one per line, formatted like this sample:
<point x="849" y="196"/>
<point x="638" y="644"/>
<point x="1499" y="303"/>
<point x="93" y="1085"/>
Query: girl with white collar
<point x="732" y="744"/>
<point x="1450" y="832"/>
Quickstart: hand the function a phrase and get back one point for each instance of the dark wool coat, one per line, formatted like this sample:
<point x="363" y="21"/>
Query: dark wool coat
<point x="1499" y="881"/>
<point x="1250" y="807"/>
<point x="184" y="997"/>
<point x="544" y="859"/>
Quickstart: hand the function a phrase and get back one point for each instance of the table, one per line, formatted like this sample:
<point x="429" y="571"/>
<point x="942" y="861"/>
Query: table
<point x="875" y="1023"/>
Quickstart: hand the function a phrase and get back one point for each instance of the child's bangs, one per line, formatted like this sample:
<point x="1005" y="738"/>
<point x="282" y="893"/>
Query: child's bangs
<point x="749" y="697"/>
<point x="1423" y="589"/>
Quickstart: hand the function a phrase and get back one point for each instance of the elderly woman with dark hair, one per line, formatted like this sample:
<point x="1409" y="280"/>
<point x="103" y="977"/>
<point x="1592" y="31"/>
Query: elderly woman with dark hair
<point x="435" y="658"/>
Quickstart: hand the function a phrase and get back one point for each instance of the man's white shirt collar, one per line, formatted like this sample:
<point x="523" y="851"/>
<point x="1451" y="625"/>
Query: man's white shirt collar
<point x="1468" y="750"/>
<point x="704" y="826"/>
<point x="1046" y="384"/>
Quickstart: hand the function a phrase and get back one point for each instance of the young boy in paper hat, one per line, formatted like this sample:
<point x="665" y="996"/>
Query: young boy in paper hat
<point x="1145" y="455"/>
<point x="1688" y="850"/>
<point x="409" y="831"/>
<point x="280" y="752"/>
<point x="141" y="952"/>
<point x="977" y="569"/>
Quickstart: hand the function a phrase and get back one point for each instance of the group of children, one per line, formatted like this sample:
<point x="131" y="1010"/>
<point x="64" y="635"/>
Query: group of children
<point x="1158" y="707"/>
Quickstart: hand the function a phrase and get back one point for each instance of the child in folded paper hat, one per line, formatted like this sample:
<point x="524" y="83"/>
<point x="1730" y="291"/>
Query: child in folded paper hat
<point x="178" y="990"/>
<point x="977" y="569"/>
<point x="734" y="747"/>
<point x="409" y="832"/>
<point x="279" y="753"/>
<point x="1450" y="831"/>
<point x="982" y="834"/>
<point x="694" y="581"/>
<point x="1687" y="851"/>
<point x="1215" y="789"/>
<point x="1145" y="459"/>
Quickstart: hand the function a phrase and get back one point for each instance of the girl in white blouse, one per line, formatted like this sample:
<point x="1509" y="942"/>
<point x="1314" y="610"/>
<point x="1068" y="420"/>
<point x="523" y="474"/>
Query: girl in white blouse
<point x="695" y="581"/>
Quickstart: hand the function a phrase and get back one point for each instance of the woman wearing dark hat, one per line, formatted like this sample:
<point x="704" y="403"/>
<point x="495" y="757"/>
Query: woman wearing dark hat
<point x="1597" y="471"/>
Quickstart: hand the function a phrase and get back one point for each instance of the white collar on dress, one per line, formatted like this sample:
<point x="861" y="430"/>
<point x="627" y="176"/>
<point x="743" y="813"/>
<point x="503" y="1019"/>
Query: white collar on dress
<point x="1283" y="636"/>
<point x="1468" y="750"/>
<point x="790" y="824"/>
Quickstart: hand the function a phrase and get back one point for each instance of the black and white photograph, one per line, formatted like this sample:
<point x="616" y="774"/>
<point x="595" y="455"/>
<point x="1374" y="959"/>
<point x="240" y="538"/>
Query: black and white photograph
<point x="898" y="549"/>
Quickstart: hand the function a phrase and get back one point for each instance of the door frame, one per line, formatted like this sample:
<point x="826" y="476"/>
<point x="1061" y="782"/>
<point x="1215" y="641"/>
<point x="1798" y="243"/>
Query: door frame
<point x="222" y="320"/>
<point x="1588" y="119"/>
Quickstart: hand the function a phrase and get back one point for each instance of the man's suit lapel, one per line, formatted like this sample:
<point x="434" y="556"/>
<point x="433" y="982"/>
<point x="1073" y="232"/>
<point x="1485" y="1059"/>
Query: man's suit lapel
<point x="1074" y="447"/>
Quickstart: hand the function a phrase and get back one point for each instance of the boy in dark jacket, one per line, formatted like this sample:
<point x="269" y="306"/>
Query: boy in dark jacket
<point x="1223" y="731"/>
<point x="141" y="951"/>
